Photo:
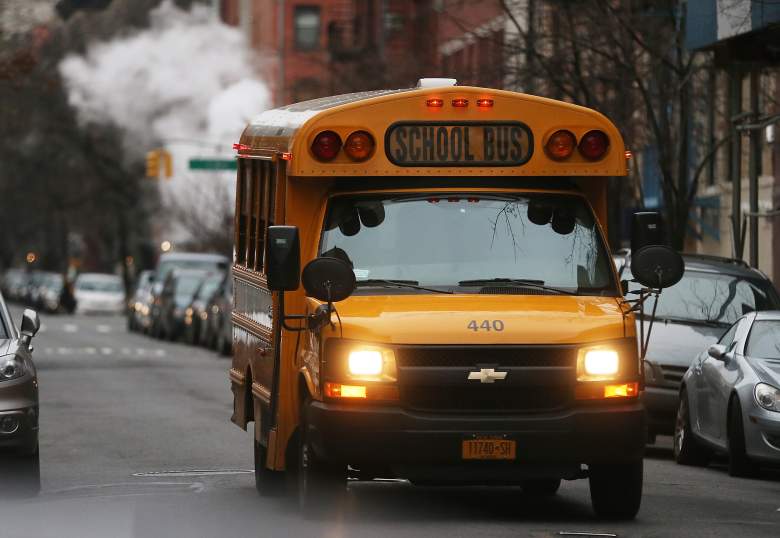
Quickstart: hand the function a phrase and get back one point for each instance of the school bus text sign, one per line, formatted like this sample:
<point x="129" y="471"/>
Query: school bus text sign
<point x="499" y="143"/>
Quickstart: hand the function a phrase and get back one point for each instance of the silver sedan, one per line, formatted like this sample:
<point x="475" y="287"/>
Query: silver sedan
<point x="730" y="398"/>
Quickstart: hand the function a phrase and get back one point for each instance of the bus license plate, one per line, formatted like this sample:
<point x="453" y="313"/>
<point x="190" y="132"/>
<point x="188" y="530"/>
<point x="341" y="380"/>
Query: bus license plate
<point x="489" y="449"/>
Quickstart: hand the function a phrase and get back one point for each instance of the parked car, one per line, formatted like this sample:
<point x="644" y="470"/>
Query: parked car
<point x="18" y="400"/>
<point x="50" y="293"/>
<point x="178" y="260"/>
<point x="15" y="284"/>
<point x="196" y="314"/>
<point x="99" y="293"/>
<point x="189" y="260"/>
<point x="177" y="293"/>
<point x="730" y="398"/>
<point x="691" y="315"/>
<point x="139" y="305"/>
<point x="219" y="329"/>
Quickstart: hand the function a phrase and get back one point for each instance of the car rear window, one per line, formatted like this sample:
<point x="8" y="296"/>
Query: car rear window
<point x="764" y="340"/>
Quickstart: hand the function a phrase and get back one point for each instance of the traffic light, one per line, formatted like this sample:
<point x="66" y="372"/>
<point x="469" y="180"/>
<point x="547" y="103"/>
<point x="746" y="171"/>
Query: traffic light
<point x="153" y="164"/>
<point x="167" y="163"/>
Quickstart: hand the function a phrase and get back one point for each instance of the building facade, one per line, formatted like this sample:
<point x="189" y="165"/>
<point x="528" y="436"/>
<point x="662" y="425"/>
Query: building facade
<point x="313" y="48"/>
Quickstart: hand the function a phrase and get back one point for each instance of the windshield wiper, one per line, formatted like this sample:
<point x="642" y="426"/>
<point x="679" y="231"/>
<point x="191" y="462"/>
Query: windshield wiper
<point x="689" y="321"/>
<point x="538" y="284"/>
<point x="411" y="284"/>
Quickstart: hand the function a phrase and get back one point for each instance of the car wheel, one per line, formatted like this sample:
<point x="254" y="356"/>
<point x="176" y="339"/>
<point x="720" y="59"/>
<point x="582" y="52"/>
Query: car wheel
<point x="687" y="449"/>
<point x="322" y="486"/>
<point x="541" y="487"/>
<point x="616" y="489"/>
<point x="20" y="474"/>
<point x="267" y="482"/>
<point x="739" y="463"/>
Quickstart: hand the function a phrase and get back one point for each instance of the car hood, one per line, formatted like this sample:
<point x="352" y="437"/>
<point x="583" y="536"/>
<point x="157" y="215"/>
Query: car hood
<point x="6" y="347"/>
<point x="447" y="319"/>
<point x="767" y="370"/>
<point x="677" y="344"/>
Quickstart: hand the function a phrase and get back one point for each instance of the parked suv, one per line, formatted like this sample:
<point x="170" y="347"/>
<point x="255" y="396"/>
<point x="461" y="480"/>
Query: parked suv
<point x="692" y="315"/>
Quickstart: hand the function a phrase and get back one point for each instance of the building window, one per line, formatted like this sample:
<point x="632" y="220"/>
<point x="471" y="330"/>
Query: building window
<point x="307" y="27"/>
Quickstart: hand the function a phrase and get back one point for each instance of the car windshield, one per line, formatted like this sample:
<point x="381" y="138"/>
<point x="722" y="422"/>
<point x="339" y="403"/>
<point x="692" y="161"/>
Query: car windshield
<point x="209" y="287"/>
<point x="106" y="284"/>
<point x="764" y="340"/>
<point x="714" y="298"/>
<point x="197" y="264"/>
<point x="186" y="286"/>
<point x="463" y="241"/>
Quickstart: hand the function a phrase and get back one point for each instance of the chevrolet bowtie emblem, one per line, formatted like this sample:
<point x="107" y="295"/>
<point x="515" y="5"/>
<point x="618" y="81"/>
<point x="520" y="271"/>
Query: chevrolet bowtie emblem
<point x="486" y="375"/>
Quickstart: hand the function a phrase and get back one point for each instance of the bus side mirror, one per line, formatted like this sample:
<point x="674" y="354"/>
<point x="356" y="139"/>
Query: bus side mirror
<point x="657" y="266"/>
<point x="647" y="228"/>
<point x="283" y="261"/>
<point x="328" y="279"/>
<point x="653" y="264"/>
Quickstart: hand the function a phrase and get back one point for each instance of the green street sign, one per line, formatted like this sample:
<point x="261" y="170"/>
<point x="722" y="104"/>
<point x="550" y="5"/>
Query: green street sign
<point x="213" y="164"/>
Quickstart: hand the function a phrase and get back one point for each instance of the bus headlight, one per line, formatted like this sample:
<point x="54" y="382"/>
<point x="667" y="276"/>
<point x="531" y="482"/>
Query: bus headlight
<point x="372" y="364"/>
<point x="597" y="364"/>
<point x="365" y="362"/>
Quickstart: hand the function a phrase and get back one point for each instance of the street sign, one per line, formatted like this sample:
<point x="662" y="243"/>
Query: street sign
<point x="213" y="164"/>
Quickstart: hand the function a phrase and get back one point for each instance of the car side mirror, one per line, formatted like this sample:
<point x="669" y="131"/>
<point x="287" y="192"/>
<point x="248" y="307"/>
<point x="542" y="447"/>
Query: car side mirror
<point x="283" y="260"/>
<point x="717" y="351"/>
<point x="30" y="323"/>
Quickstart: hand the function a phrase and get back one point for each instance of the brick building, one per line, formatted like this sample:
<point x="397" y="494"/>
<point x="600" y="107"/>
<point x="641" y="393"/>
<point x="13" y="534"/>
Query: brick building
<point x="336" y="46"/>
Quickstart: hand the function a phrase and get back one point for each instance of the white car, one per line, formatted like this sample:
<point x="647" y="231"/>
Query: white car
<point x="99" y="293"/>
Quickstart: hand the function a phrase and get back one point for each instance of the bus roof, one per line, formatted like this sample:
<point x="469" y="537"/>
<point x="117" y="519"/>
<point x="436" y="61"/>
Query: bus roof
<point x="289" y="131"/>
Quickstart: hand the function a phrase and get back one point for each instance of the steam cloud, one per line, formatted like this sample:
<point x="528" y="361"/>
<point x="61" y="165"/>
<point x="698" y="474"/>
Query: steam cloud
<point x="187" y="83"/>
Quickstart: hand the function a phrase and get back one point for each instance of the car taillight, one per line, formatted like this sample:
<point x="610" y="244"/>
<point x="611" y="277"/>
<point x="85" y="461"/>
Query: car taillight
<point x="359" y="146"/>
<point x="560" y="145"/>
<point x="326" y="145"/>
<point x="593" y="146"/>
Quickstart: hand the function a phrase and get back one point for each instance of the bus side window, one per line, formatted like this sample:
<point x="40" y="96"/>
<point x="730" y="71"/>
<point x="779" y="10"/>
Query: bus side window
<point x="266" y="204"/>
<point x="253" y="194"/>
<point x="243" y="177"/>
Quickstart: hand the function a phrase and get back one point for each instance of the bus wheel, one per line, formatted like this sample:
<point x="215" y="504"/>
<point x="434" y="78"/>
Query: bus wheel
<point x="616" y="490"/>
<point x="541" y="487"/>
<point x="322" y="486"/>
<point x="267" y="482"/>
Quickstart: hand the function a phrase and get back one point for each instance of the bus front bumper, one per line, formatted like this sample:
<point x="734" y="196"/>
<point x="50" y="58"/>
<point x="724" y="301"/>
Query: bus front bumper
<point x="393" y="437"/>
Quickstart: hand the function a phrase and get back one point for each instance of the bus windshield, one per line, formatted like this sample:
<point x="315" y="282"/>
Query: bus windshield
<point x="470" y="243"/>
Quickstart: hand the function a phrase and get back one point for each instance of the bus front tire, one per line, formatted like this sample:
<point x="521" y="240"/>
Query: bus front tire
<point x="616" y="490"/>
<point x="267" y="482"/>
<point x="321" y="486"/>
<point x="541" y="487"/>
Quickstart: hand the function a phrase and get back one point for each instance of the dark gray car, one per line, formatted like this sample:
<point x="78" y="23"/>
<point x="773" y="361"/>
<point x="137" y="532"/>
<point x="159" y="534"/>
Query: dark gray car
<point x="18" y="400"/>
<point x="692" y="315"/>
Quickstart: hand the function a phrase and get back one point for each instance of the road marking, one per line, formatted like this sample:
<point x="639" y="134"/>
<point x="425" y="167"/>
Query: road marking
<point x="194" y="472"/>
<point x="568" y="533"/>
<point x="70" y="328"/>
<point x="103" y="329"/>
<point x="105" y="351"/>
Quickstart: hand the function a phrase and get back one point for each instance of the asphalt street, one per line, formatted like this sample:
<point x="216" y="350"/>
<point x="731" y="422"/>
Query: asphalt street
<point x="136" y="442"/>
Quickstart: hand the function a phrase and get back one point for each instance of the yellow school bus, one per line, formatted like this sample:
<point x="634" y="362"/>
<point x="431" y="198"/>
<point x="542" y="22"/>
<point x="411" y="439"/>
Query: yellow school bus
<point x="460" y="320"/>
